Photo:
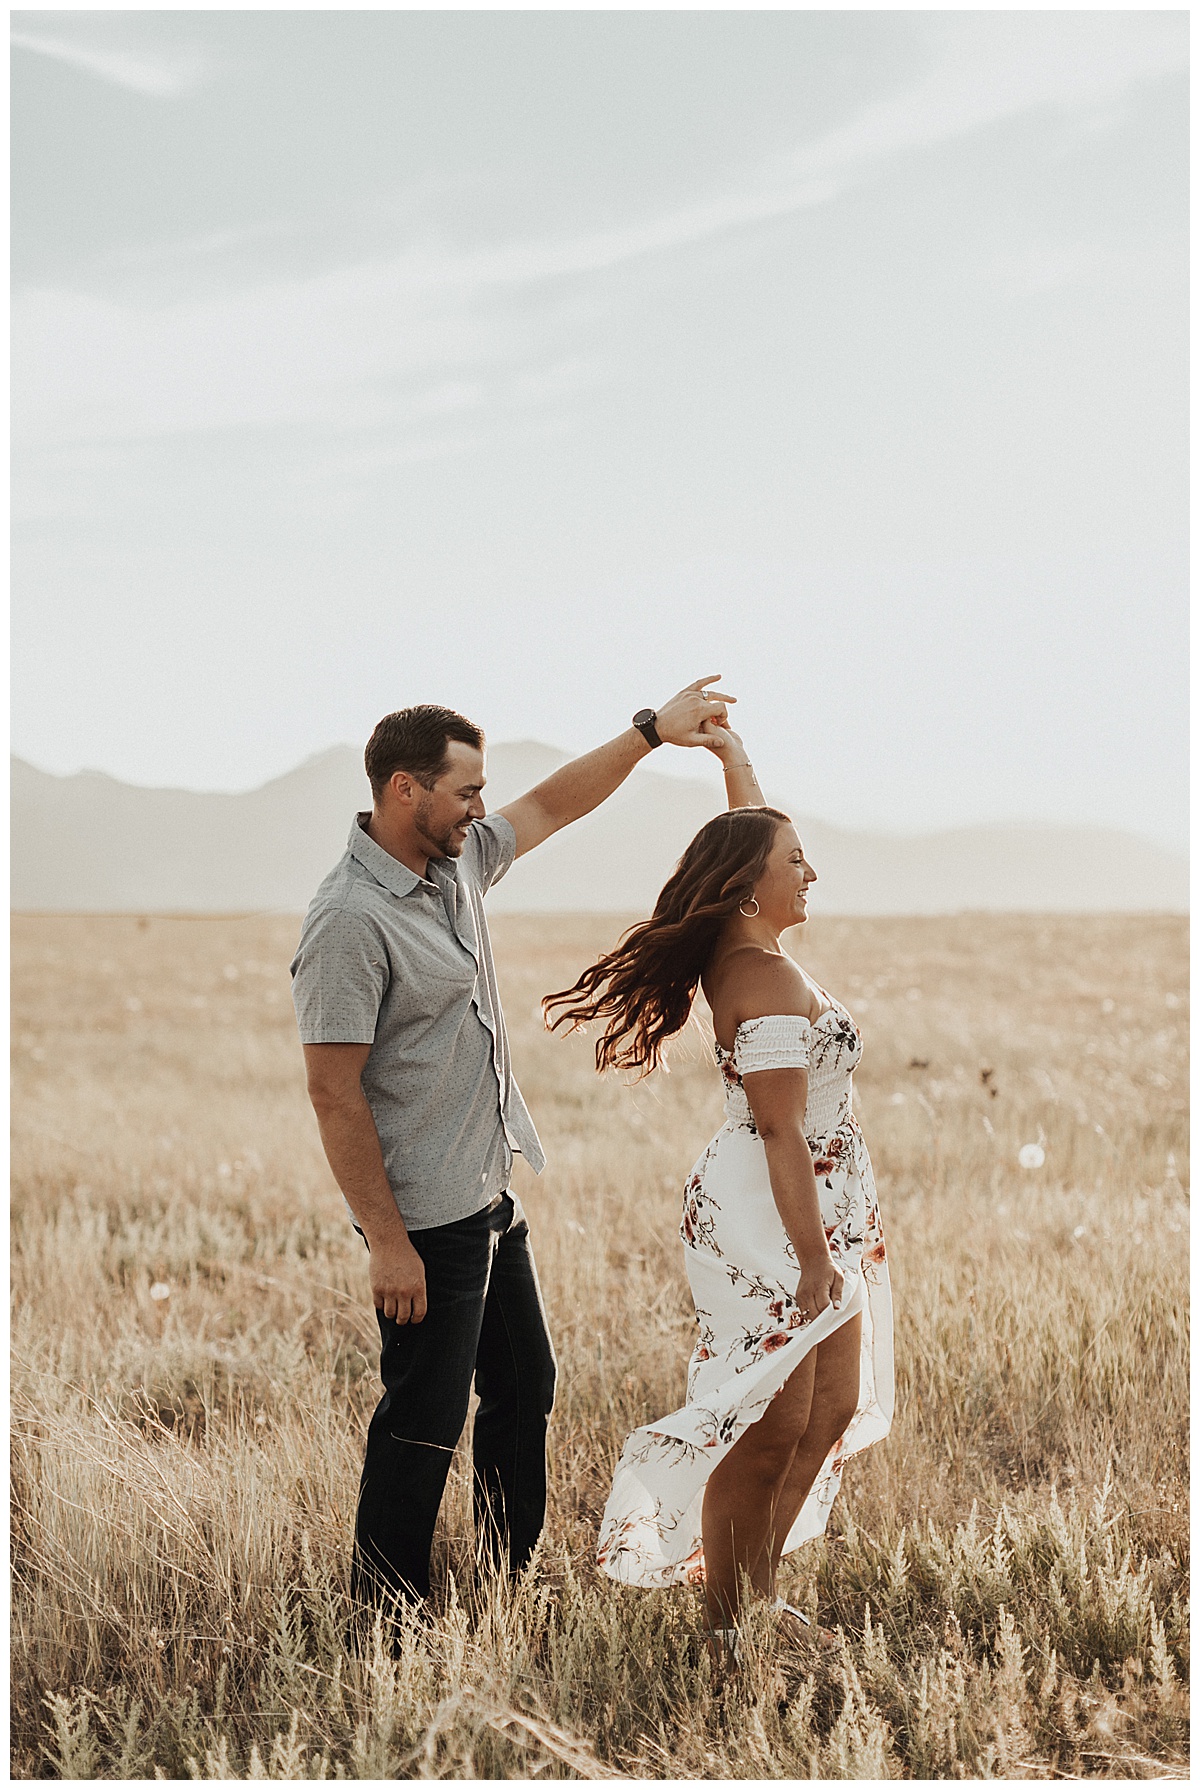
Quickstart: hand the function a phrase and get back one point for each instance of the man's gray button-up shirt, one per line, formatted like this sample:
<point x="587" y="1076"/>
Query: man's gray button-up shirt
<point x="404" y="963"/>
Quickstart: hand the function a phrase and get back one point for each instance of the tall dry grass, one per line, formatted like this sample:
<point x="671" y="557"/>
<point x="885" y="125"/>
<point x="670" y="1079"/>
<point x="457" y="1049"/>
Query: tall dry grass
<point x="1007" y="1572"/>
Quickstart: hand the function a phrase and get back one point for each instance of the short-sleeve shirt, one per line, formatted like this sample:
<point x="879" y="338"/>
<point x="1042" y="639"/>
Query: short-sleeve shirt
<point x="404" y="963"/>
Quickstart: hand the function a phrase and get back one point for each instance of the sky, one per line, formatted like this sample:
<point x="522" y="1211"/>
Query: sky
<point x="538" y="363"/>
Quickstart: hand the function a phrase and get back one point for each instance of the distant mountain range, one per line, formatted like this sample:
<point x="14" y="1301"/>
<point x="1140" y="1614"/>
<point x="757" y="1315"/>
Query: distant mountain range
<point x="91" y="844"/>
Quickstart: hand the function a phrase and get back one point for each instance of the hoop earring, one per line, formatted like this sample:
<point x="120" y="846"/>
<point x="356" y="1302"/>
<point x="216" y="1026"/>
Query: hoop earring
<point x="753" y="911"/>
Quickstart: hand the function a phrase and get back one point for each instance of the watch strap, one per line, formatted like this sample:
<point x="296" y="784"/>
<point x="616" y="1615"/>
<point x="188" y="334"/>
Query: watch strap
<point x="644" y="722"/>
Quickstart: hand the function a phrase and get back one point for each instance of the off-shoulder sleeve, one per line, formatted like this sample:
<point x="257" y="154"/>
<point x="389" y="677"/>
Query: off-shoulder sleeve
<point x="777" y="1041"/>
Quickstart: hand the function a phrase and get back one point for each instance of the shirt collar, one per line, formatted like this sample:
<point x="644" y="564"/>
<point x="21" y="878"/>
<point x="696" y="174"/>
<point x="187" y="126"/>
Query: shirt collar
<point x="383" y="867"/>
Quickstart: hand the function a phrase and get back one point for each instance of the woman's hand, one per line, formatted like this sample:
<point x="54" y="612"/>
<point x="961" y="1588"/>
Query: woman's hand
<point x="720" y="738"/>
<point x="820" y="1285"/>
<point x="741" y="785"/>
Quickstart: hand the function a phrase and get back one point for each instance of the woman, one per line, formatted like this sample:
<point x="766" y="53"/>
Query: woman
<point x="792" y="1372"/>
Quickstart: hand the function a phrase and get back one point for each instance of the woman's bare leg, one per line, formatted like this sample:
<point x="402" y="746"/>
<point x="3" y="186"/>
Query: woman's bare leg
<point x="739" y="1500"/>
<point x="834" y="1402"/>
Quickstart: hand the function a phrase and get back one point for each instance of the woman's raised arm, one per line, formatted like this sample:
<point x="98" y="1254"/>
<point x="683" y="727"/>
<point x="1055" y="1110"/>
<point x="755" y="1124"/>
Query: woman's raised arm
<point x="741" y="785"/>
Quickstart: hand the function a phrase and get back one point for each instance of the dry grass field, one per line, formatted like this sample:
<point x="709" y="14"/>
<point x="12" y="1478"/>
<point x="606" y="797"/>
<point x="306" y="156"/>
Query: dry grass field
<point x="1007" y="1572"/>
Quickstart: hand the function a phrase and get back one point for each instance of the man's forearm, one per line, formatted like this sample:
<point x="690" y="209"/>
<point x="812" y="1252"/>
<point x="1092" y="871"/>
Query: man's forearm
<point x="353" y="1152"/>
<point x="583" y="784"/>
<point x="570" y="793"/>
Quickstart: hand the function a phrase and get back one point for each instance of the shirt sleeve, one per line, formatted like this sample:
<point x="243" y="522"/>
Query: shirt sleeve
<point x="340" y="974"/>
<point x="490" y="848"/>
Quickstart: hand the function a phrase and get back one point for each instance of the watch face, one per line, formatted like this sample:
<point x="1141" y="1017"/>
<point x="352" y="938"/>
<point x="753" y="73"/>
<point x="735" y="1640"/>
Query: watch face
<point x="643" y="718"/>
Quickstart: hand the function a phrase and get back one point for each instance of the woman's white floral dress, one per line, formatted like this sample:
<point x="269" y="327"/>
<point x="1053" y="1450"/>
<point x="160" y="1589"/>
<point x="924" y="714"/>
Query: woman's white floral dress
<point x="744" y="1274"/>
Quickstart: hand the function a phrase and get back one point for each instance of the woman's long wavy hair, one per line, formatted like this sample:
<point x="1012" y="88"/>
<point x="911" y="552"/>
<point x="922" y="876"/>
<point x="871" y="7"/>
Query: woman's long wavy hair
<point x="645" y="987"/>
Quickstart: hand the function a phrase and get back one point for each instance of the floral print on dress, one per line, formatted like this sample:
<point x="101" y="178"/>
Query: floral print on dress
<point x="698" y="1225"/>
<point x="744" y="1273"/>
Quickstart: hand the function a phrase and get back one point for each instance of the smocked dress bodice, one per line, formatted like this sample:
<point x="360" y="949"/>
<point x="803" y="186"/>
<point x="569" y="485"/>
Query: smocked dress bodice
<point x="830" y="1048"/>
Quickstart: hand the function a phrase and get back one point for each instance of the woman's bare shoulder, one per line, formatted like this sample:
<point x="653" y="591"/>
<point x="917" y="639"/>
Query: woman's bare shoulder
<point x="752" y="983"/>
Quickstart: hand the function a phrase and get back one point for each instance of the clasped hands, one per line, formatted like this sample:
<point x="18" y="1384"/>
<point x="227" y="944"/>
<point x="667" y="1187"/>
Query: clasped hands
<point x="699" y="717"/>
<point x="696" y="716"/>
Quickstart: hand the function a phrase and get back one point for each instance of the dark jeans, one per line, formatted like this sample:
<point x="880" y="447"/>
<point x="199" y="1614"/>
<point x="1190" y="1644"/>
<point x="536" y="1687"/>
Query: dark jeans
<point x="485" y="1321"/>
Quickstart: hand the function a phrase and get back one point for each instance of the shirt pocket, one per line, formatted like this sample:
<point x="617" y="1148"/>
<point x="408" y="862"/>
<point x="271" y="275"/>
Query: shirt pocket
<point x="434" y="977"/>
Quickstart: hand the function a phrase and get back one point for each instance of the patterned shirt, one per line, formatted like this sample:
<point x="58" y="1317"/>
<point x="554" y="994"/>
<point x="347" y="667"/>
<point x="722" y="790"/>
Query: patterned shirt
<point x="404" y="963"/>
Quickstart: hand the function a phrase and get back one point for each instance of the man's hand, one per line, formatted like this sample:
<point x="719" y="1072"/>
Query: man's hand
<point x="353" y="1150"/>
<point x="576" y="788"/>
<point x="398" y="1282"/>
<point x="680" y="721"/>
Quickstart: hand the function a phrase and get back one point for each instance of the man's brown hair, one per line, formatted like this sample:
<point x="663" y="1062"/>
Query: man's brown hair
<point x="415" y="740"/>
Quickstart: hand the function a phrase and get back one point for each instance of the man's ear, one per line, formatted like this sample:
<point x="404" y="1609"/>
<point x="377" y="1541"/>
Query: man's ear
<point x="403" y="786"/>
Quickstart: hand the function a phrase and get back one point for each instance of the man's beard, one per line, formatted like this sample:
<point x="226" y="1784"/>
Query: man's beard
<point x="444" y="844"/>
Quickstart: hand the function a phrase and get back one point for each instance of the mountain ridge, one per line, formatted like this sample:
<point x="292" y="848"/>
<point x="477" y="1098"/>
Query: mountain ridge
<point x="90" y="843"/>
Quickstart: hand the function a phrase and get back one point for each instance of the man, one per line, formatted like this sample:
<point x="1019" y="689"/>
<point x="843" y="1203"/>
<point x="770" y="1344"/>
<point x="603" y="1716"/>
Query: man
<point x="409" y="1074"/>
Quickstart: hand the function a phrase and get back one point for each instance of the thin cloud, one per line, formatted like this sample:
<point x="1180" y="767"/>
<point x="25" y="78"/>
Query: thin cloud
<point x="996" y="68"/>
<point x="984" y="69"/>
<point x="988" y="68"/>
<point x="353" y="345"/>
<point x="154" y="73"/>
<point x="348" y="346"/>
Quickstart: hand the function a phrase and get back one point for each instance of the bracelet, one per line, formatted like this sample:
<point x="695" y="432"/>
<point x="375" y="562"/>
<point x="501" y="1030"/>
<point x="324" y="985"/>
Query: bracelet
<point x="745" y="765"/>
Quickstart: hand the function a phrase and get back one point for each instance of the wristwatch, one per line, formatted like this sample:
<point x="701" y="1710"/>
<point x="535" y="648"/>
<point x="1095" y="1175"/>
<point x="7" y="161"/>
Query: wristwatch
<point x="644" y="722"/>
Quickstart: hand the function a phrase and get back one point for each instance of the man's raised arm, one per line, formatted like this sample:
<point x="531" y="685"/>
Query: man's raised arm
<point x="585" y="782"/>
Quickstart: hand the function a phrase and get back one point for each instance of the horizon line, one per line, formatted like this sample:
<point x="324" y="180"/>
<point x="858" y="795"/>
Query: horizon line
<point x="1174" y="848"/>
